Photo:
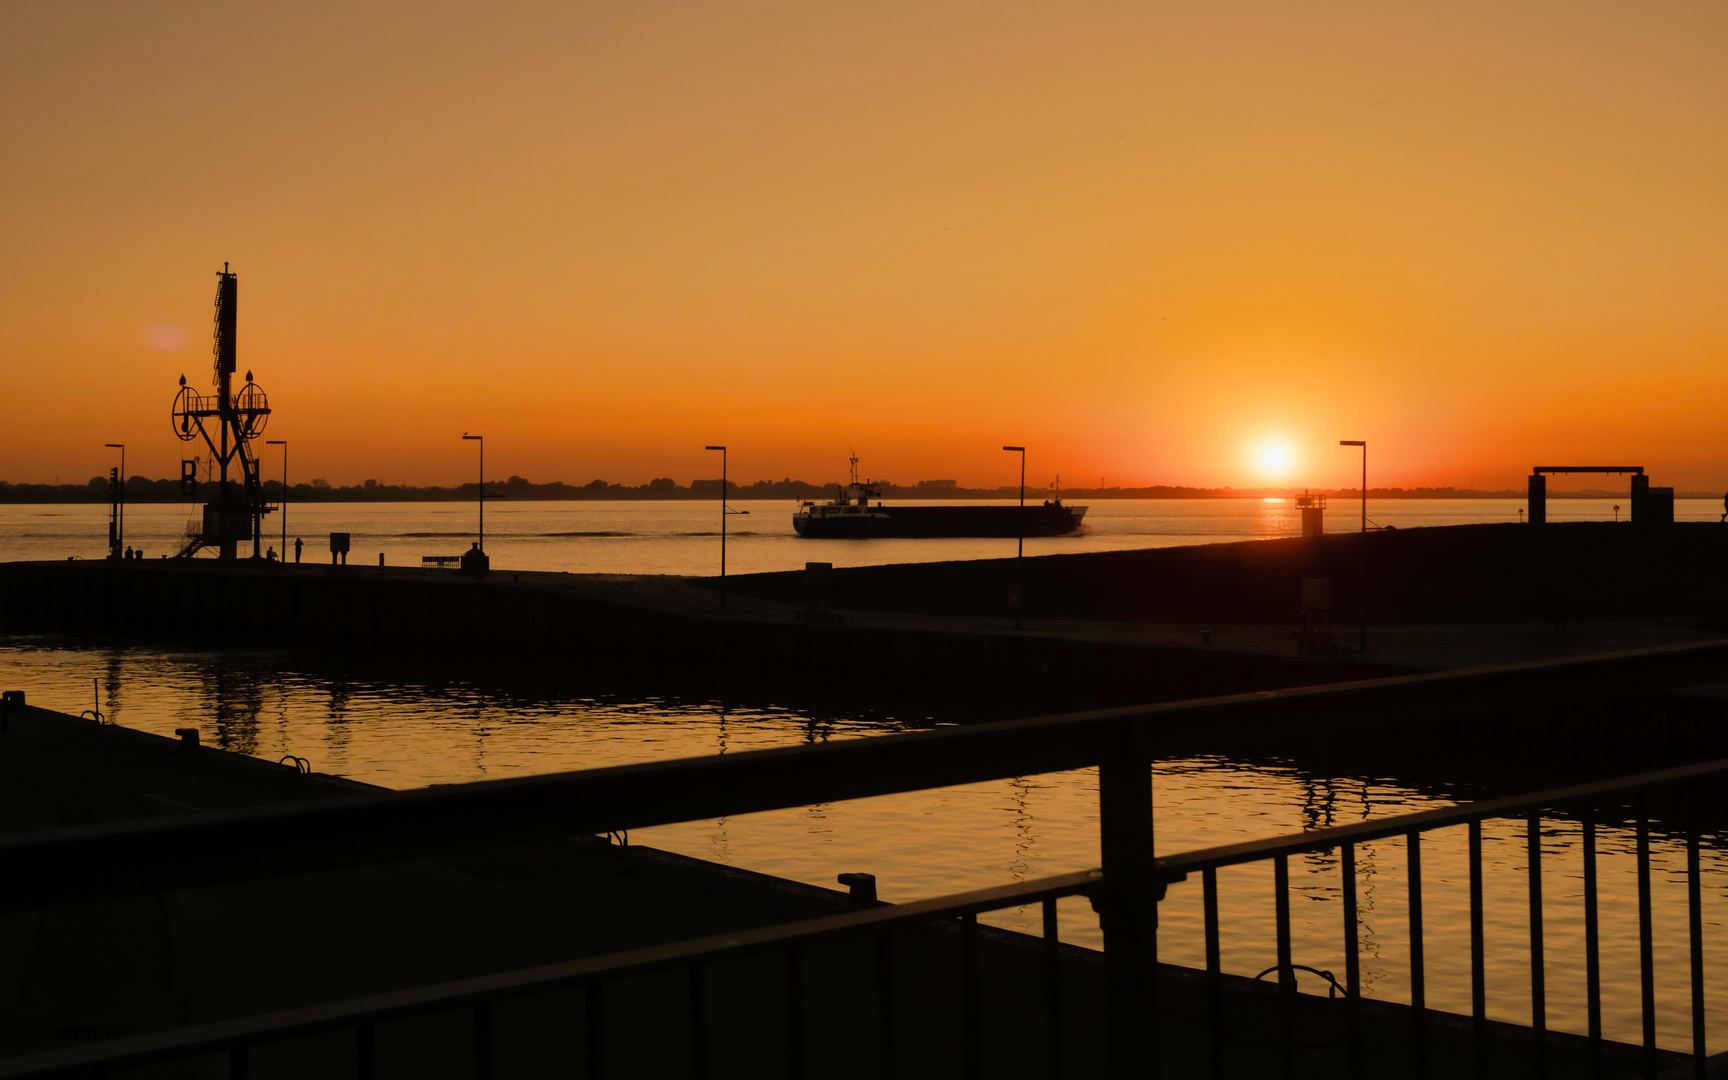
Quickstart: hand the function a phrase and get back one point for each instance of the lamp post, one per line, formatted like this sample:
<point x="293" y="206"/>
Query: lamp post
<point x="283" y="443"/>
<point x="480" y="489"/>
<point x="722" y="450"/>
<point x="1020" y="540"/>
<point x="1021" y="548"/>
<point x="120" y="537"/>
<point x="1362" y="561"/>
<point x="1364" y="445"/>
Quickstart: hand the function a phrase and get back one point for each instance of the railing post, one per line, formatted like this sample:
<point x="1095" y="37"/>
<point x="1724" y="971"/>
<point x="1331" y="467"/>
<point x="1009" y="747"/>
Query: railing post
<point x="1128" y="903"/>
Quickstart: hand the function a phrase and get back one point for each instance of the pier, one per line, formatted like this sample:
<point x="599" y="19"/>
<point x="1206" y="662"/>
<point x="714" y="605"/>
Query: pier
<point x="669" y="629"/>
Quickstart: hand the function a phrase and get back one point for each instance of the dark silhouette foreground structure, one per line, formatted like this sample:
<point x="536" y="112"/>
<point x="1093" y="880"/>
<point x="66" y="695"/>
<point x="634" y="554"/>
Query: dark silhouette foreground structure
<point x="772" y="987"/>
<point x="488" y="929"/>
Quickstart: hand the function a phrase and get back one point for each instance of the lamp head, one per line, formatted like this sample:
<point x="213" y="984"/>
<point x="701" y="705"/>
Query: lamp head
<point x="1022" y="449"/>
<point x="1352" y="442"/>
<point x="713" y="448"/>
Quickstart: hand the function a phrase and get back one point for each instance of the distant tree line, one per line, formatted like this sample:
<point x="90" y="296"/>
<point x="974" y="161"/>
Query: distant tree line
<point x="143" y="489"/>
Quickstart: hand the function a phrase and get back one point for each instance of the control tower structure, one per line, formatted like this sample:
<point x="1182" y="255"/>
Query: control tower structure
<point x="235" y="511"/>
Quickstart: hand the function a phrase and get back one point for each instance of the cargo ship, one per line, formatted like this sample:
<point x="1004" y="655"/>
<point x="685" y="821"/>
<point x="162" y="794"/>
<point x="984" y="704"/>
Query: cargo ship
<point x="850" y="516"/>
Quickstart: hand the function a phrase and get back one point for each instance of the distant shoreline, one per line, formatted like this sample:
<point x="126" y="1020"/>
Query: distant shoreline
<point x="144" y="490"/>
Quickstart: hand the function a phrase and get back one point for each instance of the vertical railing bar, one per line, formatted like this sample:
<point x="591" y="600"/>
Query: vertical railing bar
<point x="1418" y="984"/>
<point x="1592" y="947"/>
<point x="1695" y="932"/>
<point x="1538" y="967"/>
<point x="483" y="1040"/>
<point x="363" y="1052"/>
<point x="591" y="1001"/>
<point x="1286" y="974"/>
<point x="239" y="1063"/>
<point x="885" y="999"/>
<point x="1214" y="973"/>
<point x="1155" y="1049"/>
<point x="1352" y="961"/>
<point x="1478" y="960"/>
<point x="794" y="1013"/>
<point x="698" y="988"/>
<point x="1053" y="987"/>
<point x="1127" y="902"/>
<point x="1646" y="944"/>
<point x="969" y="994"/>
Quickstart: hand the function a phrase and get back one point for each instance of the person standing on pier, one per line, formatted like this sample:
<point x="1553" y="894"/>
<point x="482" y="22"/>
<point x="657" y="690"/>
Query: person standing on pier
<point x="298" y="544"/>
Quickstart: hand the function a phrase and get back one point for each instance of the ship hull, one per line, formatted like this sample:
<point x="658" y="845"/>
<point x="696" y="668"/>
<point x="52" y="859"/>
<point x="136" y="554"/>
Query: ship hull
<point x="932" y="522"/>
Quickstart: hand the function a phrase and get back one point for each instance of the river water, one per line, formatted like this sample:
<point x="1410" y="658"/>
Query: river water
<point x="682" y="537"/>
<point x="405" y="729"/>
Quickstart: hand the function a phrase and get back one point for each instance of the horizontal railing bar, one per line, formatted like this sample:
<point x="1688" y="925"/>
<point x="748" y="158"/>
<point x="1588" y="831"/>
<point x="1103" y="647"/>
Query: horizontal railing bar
<point x="186" y="851"/>
<point x="1425" y="820"/>
<point x="288" y="1023"/>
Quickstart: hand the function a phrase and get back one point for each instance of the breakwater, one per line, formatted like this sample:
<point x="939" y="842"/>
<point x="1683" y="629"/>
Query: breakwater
<point x="1448" y="574"/>
<point x="662" y="630"/>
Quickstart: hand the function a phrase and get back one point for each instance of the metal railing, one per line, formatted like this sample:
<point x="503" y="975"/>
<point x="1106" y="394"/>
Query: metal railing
<point x="236" y="1038"/>
<point x="176" y="853"/>
<point x="1584" y="800"/>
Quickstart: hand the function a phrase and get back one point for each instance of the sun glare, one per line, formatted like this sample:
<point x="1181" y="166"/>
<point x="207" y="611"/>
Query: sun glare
<point x="1273" y="458"/>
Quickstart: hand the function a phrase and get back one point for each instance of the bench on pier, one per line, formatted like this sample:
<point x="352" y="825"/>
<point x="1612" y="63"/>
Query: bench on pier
<point x="441" y="560"/>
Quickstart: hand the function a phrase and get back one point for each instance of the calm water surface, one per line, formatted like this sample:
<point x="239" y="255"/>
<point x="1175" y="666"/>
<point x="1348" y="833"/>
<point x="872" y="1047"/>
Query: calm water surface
<point x="683" y="537"/>
<point x="407" y="733"/>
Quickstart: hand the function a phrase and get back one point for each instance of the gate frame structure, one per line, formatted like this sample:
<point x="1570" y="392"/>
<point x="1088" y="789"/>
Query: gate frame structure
<point x="1649" y="505"/>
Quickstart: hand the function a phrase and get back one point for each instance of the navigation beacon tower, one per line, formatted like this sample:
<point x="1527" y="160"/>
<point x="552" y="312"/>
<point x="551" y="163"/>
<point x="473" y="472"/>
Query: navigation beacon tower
<point x="236" y="510"/>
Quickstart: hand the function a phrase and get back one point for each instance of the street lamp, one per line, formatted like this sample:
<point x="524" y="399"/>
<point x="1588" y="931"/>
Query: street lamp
<point x="1364" y="445"/>
<point x="1020" y="541"/>
<point x="1362" y="561"/>
<point x="1021" y="450"/>
<point x="480" y="489"/>
<point x="283" y="443"/>
<point x="722" y="450"/>
<point x="120" y="536"/>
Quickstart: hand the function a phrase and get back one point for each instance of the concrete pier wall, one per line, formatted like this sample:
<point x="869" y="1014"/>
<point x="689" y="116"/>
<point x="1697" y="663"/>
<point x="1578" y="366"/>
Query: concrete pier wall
<point x="538" y="615"/>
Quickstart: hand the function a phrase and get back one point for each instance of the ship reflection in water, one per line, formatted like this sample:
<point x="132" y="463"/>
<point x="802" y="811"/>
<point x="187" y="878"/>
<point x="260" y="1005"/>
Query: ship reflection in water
<point x="404" y="729"/>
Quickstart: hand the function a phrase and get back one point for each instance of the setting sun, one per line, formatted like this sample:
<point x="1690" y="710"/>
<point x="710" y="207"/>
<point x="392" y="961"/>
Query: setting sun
<point x="1273" y="458"/>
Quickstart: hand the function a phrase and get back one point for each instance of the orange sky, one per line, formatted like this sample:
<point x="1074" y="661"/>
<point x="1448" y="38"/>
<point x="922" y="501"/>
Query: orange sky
<point x="1144" y="240"/>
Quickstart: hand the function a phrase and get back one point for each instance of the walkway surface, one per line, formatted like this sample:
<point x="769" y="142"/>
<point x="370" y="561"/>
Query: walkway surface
<point x="1434" y="647"/>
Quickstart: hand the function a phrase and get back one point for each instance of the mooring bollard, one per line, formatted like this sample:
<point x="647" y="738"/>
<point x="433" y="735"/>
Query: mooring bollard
<point x="862" y="886"/>
<point x="188" y="739"/>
